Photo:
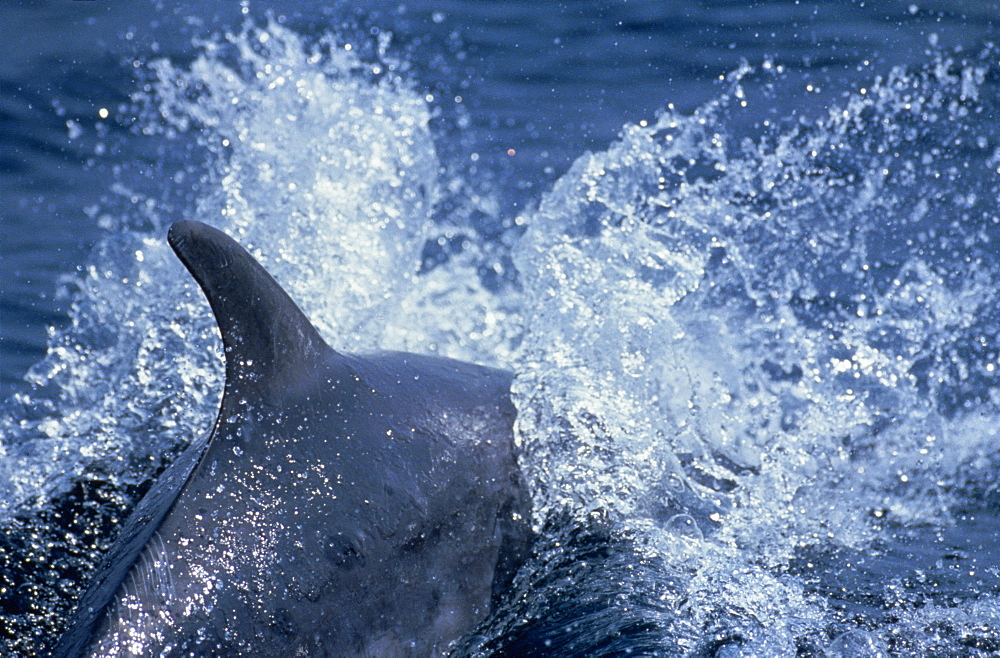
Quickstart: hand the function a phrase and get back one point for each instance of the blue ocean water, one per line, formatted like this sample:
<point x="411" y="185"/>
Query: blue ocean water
<point x="740" y="256"/>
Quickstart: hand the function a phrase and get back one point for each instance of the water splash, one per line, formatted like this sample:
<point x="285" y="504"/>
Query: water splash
<point x="327" y="171"/>
<point x="791" y="338"/>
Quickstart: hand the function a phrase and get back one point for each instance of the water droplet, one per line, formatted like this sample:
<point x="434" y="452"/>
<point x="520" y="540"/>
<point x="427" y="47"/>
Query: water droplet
<point x="684" y="525"/>
<point x="857" y="644"/>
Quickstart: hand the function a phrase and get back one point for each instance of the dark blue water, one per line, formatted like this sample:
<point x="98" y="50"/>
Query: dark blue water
<point x="752" y="244"/>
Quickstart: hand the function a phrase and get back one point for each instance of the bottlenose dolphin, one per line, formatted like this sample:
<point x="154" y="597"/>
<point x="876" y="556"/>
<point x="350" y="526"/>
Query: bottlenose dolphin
<point x="342" y="505"/>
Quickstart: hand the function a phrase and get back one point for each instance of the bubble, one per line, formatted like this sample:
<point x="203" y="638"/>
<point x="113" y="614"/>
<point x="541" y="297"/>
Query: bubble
<point x="684" y="525"/>
<point x="857" y="644"/>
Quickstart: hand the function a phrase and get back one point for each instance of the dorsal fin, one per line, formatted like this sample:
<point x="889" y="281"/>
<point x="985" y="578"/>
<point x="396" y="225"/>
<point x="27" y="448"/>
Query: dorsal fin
<point x="268" y="340"/>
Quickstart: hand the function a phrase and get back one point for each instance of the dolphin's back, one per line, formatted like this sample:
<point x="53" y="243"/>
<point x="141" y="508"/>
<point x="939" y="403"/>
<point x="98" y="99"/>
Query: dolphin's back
<point x="342" y="505"/>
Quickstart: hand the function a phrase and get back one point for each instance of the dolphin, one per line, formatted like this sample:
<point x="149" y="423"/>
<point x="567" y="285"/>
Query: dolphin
<point x="342" y="505"/>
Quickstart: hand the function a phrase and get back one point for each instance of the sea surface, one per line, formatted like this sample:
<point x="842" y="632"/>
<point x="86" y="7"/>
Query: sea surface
<point x="742" y="258"/>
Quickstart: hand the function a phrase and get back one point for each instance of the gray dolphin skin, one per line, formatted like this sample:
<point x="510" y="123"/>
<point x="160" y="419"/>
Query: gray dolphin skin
<point x="343" y="505"/>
